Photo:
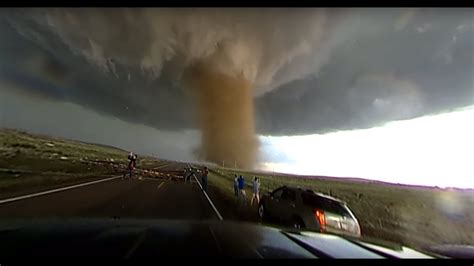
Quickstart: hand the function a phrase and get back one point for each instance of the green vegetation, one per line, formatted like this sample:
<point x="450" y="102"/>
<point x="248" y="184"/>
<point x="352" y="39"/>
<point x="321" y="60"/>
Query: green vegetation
<point x="414" y="216"/>
<point x="31" y="162"/>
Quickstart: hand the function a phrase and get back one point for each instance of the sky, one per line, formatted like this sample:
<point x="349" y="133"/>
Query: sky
<point x="355" y="84"/>
<point x="433" y="150"/>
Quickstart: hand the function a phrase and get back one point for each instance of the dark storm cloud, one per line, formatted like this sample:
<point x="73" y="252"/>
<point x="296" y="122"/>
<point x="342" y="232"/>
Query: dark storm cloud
<point x="55" y="72"/>
<point x="67" y="120"/>
<point x="371" y="66"/>
<point x="389" y="70"/>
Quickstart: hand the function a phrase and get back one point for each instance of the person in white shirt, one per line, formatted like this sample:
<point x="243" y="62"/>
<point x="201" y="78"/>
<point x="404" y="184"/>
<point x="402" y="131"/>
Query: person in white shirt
<point x="255" y="190"/>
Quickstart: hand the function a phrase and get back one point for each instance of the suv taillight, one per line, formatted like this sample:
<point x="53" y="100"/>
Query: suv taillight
<point x="319" y="215"/>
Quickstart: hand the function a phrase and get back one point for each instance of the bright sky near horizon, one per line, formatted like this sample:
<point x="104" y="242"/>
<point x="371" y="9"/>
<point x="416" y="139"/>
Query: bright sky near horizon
<point x="435" y="150"/>
<point x="313" y="73"/>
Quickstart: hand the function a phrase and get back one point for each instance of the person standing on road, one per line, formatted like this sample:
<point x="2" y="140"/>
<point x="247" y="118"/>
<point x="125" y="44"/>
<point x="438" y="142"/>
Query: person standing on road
<point x="187" y="174"/>
<point x="131" y="165"/>
<point x="190" y="174"/>
<point x="255" y="190"/>
<point x="236" y="186"/>
<point x="242" y="188"/>
<point x="205" y="172"/>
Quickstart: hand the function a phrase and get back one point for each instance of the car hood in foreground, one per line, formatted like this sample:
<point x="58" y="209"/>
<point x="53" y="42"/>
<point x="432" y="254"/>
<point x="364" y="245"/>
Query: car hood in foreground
<point x="132" y="238"/>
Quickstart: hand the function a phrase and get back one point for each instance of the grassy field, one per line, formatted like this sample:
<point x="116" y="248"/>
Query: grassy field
<point x="414" y="216"/>
<point x="31" y="162"/>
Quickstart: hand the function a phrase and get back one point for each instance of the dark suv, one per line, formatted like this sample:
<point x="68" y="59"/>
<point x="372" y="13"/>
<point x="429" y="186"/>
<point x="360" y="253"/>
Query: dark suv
<point x="306" y="209"/>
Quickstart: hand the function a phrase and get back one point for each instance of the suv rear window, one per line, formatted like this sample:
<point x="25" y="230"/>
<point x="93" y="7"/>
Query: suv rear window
<point x="324" y="204"/>
<point x="277" y="193"/>
<point x="289" y="194"/>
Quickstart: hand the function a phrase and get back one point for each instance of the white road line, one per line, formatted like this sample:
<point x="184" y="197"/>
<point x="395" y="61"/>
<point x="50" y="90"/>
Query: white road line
<point x="158" y="187"/>
<point x="55" y="190"/>
<point x="215" y="240"/>
<point x="208" y="199"/>
<point x="137" y="243"/>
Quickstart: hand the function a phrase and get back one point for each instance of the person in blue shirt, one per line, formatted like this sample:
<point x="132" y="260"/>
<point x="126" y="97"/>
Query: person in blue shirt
<point x="236" y="186"/>
<point x="242" y="188"/>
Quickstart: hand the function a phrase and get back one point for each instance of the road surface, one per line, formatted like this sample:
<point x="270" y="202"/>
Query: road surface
<point x="146" y="198"/>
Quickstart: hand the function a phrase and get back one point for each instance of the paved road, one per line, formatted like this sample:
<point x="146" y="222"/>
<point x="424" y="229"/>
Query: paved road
<point x="170" y="167"/>
<point x="146" y="198"/>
